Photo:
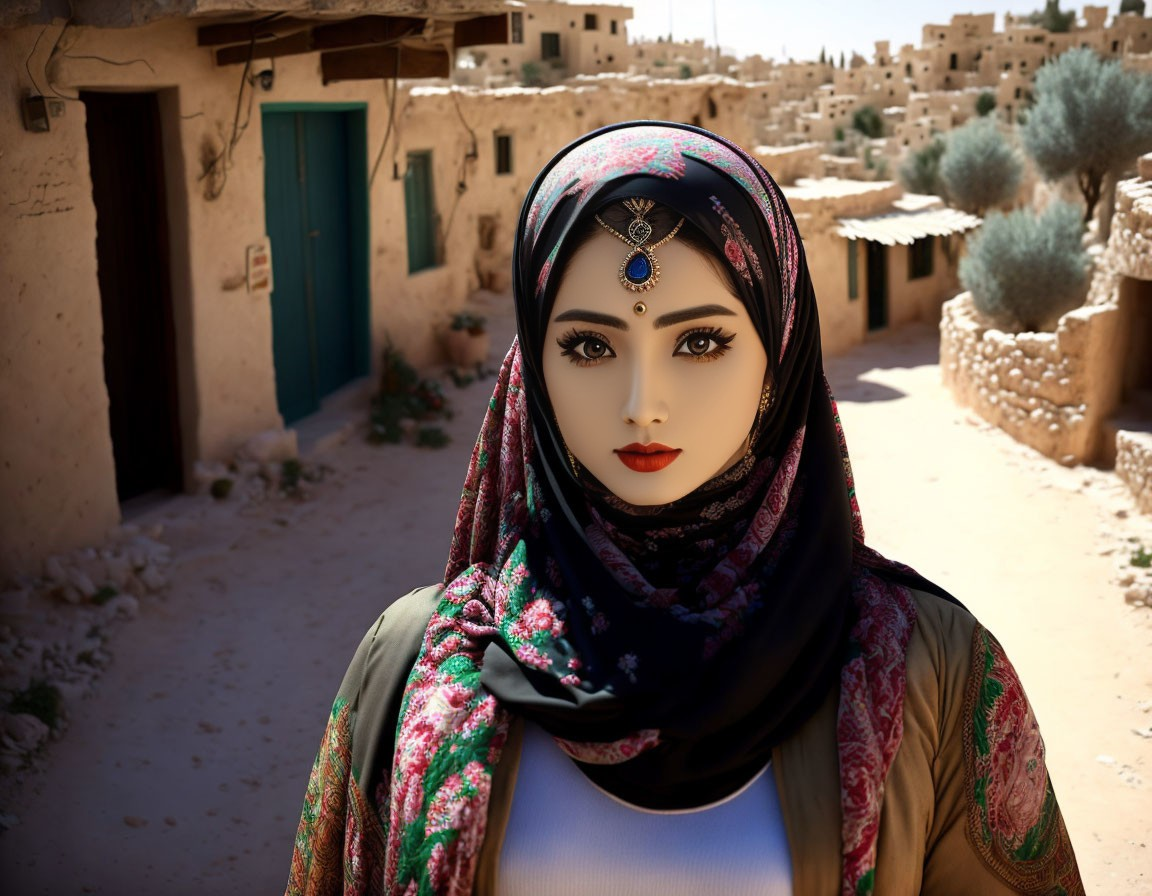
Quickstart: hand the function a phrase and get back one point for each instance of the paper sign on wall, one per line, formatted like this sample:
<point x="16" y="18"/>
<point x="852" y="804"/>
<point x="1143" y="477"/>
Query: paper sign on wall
<point x="260" y="267"/>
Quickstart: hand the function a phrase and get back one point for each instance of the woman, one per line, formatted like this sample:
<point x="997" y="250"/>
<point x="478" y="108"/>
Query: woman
<point x="662" y="659"/>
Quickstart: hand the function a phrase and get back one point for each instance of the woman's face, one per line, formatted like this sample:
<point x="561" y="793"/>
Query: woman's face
<point x="655" y="404"/>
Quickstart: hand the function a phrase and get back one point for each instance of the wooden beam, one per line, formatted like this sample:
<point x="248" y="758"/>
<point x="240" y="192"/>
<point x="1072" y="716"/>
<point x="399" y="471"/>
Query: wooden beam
<point x="241" y="32"/>
<point x="300" y="42"/>
<point x="481" y="30"/>
<point x="370" y="63"/>
<point x="364" y="31"/>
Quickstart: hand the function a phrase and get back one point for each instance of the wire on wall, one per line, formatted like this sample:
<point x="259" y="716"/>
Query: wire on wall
<point x="471" y="155"/>
<point x="28" y="59"/>
<point x="215" y="167"/>
<point x="391" y="120"/>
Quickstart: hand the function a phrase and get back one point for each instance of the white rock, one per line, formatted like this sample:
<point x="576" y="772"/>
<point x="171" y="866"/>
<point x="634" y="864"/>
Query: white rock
<point x="153" y="578"/>
<point x="70" y="594"/>
<point x="72" y="692"/>
<point x="80" y="580"/>
<point x="207" y="472"/>
<point x="273" y="445"/>
<point x="124" y="606"/>
<point x="118" y="570"/>
<point x="26" y="731"/>
<point x="54" y="570"/>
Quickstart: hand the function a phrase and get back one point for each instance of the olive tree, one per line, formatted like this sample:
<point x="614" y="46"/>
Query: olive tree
<point x="1024" y="269"/>
<point x="979" y="168"/>
<point x="920" y="171"/>
<point x="1092" y="119"/>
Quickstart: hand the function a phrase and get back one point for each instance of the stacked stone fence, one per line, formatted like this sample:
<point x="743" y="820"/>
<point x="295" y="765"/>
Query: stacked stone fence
<point x="1052" y="391"/>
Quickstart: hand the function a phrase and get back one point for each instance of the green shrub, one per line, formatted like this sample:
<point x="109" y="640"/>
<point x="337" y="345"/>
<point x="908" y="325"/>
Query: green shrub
<point x="431" y="437"/>
<point x="868" y="122"/>
<point x="980" y="169"/>
<point x="104" y="594"/>
<point x="403" y="395"/>
<point x="920" y="171"/>
<point x="1023" y="269"/>
<point x="530" y="74"/>
<point x="985" y="103"/>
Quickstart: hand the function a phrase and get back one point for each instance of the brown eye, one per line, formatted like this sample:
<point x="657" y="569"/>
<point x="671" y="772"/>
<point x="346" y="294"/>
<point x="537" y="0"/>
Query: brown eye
<point x="584" y="348"/>
<point x="698" y="345"/>
<point x="594" y="349"/>
<point x="704" y="345"/>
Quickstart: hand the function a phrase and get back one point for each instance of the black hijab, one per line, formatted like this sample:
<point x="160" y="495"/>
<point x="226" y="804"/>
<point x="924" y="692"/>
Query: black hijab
<point x="734" y="606"/>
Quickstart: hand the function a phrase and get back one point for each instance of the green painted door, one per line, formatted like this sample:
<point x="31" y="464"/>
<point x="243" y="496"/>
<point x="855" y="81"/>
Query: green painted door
<point x="315" y="195"/>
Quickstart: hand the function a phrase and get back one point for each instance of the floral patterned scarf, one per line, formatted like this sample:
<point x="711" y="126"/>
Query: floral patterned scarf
<point x="668" y="685"/>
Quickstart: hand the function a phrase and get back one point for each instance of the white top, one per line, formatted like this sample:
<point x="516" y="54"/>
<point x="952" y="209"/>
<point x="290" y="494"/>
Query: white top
<point x="566" y="837"/>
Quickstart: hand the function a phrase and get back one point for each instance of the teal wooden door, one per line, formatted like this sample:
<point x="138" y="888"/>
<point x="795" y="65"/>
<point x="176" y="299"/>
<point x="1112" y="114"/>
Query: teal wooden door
<point x="315" y="195"/>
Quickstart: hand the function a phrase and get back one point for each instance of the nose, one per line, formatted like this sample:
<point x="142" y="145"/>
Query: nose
<point x="644" y="404"/>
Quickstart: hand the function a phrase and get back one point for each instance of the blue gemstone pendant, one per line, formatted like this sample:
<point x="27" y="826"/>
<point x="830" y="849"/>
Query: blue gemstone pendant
<point x="639" y="272"/>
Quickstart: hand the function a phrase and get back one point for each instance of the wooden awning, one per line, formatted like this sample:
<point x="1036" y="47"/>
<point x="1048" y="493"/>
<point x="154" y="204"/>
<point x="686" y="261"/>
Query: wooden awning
<point x="360" y="48"/>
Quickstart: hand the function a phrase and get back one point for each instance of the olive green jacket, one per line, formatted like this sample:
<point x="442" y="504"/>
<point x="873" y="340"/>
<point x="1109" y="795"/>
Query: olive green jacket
<point x="961" y="812"/>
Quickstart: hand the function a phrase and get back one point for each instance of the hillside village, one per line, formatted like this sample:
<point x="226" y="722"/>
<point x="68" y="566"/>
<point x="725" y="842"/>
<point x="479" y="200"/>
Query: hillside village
<point x="222" y="218"/>
<point x="380" y="160"/>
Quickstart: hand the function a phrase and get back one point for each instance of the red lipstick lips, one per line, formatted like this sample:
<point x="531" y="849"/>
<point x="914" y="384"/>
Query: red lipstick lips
<point x="650" y="458"/>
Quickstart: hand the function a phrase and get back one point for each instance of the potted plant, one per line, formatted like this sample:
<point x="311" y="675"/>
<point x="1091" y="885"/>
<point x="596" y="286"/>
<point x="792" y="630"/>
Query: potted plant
<point x="466" y="341"/>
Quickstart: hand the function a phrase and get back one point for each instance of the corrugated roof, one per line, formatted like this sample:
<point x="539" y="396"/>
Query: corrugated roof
<point x="907" y="227"/>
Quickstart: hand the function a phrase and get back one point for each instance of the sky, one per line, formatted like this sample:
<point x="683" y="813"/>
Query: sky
<point x="797" y="29"/>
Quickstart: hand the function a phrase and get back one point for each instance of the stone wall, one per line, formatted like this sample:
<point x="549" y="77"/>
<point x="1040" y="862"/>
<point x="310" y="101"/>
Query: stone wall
<point x="1052" y="391"/>
<point x="1130" y="243"/>
<point x="1134" y="465"/>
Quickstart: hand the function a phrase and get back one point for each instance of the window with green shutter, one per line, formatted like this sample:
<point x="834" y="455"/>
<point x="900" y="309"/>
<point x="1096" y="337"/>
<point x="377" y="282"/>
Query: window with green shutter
<point x="420" y="211"/>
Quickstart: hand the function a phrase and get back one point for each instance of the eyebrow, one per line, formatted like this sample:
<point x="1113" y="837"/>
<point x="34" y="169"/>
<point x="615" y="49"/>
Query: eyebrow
<point x="592" y="317"/>
<point x="678" y="317"/>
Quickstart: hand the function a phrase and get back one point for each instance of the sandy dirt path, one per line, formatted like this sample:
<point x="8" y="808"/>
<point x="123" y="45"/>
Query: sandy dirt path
<point x="184" y="773"/>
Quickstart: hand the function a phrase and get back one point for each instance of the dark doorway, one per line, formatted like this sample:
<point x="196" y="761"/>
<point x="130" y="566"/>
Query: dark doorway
<point x="1135" y="301"/>
<point x="877" y="286"/>
<point x="316" y="213"/>
<point x="125" y="156"/>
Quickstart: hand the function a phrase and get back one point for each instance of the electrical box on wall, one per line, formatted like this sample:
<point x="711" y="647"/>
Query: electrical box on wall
<point x="38" y="112"/>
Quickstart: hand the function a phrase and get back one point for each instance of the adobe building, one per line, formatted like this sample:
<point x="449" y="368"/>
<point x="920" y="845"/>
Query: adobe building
<point x="878" y="257"/>
<point x="147" y="161"/>
<point x="549" y="42"/>
<point x="204" y="243"/>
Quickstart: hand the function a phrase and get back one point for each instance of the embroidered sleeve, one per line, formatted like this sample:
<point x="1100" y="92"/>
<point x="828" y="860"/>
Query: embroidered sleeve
<point x="1014" y="822"/>
<point x="339" y="842"/>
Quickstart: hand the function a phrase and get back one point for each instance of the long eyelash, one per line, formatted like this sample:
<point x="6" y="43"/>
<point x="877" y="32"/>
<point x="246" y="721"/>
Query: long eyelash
<point x="573" y="338"/>
<point x="723" y="343"/>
